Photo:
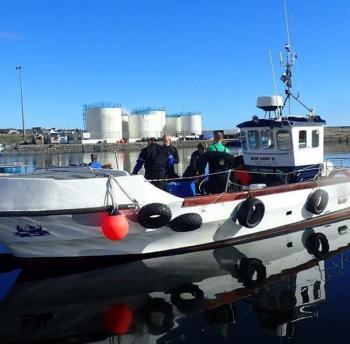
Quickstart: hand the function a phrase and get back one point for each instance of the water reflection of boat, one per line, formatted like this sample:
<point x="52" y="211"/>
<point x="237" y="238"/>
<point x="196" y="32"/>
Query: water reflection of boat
<point x="145" y="300"/>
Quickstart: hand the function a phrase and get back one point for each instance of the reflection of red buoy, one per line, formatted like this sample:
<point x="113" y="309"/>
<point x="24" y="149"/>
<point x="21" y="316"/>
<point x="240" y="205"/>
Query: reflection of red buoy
<point x="115" y="226"/>
<point x="118" y="319"/>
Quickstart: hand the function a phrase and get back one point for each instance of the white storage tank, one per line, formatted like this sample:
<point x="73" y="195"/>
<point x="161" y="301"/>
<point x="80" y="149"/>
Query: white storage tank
<point x="173" y="125"/>
<point x="104" y="121"/>
<point x="125" y="126"/>
<point x="191" y="123"/>
<point x="134" y="127"/>
<point x="149" y="121"/>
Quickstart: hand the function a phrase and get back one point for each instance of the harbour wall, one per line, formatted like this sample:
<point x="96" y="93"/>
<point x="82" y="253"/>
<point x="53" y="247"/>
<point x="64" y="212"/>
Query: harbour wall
<point x="333" y="135"/>
<point x="86" y="148"/>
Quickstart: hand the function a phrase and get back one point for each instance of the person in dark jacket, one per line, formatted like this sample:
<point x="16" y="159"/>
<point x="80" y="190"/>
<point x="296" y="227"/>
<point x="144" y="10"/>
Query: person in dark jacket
<point x="173" y="157"/>
<point x="193" y="168"/>
<point x="154" y="159"/>
<point x="218" y="162"/>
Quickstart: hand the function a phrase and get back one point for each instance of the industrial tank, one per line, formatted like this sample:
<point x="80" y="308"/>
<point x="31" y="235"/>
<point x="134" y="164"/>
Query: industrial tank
<point x="191" y="123"/>
<point x="104" y="121"/>
<point x="173" y="125"/>
<point x="134" y="130"/>
<point x="150" y="122"/>
<point x="125" y="126"/>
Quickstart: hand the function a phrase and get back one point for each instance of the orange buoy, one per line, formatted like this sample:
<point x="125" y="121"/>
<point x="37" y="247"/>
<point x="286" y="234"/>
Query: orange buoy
<point x="118" y="319"/>
<point x="115" y="226"/>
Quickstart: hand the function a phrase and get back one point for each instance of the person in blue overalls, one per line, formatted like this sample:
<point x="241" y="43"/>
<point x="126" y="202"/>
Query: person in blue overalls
<point x="173" y="157"/>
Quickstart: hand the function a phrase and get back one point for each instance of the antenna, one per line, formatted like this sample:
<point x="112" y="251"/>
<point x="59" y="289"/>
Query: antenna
<point x="286" y="77"/>
<point x="274" y="80"/>
<point x="287" y="25"/>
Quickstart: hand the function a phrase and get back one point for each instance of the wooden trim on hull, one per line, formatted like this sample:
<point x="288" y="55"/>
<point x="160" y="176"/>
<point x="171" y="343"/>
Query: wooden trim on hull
<point x="232" y="196"/>
<point x="94" y="262"/>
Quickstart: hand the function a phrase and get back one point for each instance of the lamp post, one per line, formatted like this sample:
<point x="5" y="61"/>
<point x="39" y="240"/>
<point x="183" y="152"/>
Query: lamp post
<point x="19" y="68"/>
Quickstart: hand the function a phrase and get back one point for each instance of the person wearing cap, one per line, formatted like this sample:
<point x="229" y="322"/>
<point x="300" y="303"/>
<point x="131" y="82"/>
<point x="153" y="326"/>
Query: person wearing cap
<point x="154" y="159"/>
<point x="94" y="163"/>
<point x="173" y="157"/>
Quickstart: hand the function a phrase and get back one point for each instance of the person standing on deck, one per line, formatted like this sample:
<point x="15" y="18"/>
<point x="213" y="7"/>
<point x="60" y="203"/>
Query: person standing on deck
<point x="173" y="157"/>
<point x="217" y="145"/>
<point x="220" y="160"/>
<point x="154" y="158"/>
<point x="193" y="168"/>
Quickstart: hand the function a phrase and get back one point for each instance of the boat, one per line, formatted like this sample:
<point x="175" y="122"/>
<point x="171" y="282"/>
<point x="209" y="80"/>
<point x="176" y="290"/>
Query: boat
<point x="280" y="281"/>
<point x="90" y="213"/>
<point x="13" y="168"/>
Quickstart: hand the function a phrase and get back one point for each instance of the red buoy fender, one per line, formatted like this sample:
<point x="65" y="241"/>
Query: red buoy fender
<point x="115" y="226"/>
<point x="118" y="319"/>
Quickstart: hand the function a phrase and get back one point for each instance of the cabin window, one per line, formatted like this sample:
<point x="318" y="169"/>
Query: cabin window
<point x="284" y="141"/>
<point x="315" y="138"/>
<point x="302" y="138"/>
<point x="244" y="141"/>
<point x="253" y="139"/>
<point x="266" y="139"/>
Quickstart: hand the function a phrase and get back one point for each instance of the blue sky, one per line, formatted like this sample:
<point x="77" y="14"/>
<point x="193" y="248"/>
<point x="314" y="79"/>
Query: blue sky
<point x="186" y="55"/>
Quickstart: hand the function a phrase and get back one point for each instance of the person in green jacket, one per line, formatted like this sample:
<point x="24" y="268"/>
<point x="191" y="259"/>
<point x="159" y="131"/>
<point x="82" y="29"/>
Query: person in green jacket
<point x="220" y="160"/>
<point x="217" y="145"/>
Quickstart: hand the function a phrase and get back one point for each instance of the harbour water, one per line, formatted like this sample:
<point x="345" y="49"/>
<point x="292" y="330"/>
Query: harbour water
<point x="273" y="290"/>
<point x="125" y="160"/>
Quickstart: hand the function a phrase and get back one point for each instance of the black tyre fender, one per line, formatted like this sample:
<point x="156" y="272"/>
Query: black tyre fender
<point x="187" y="306"/>
<point x="317" y="244"/>
<point x="250" y="212"/>
<point x="186" y="222"/>
<point x="252" y="272"/>
<point x="159" y="306"/>
<point x="154" y="215"/>
<point x="317" y="202"/>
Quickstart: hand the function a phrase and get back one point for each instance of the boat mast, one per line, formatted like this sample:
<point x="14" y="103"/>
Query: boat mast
<point x="290" y="58"/>
<point x="286" y="77"/>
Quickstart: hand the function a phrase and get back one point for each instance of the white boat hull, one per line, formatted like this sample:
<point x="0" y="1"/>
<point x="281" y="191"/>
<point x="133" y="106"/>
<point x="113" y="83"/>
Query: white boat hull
<point x="75" y="230"/>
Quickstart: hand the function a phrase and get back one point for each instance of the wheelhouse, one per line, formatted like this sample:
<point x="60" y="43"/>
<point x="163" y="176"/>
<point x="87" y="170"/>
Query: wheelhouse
<point x="283" y="144"/>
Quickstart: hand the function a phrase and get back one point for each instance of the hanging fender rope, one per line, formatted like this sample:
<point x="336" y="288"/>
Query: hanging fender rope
<point x="111" y="193"/>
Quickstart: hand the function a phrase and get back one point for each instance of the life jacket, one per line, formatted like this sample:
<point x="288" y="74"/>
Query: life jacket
<point x="243" y="177"/>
